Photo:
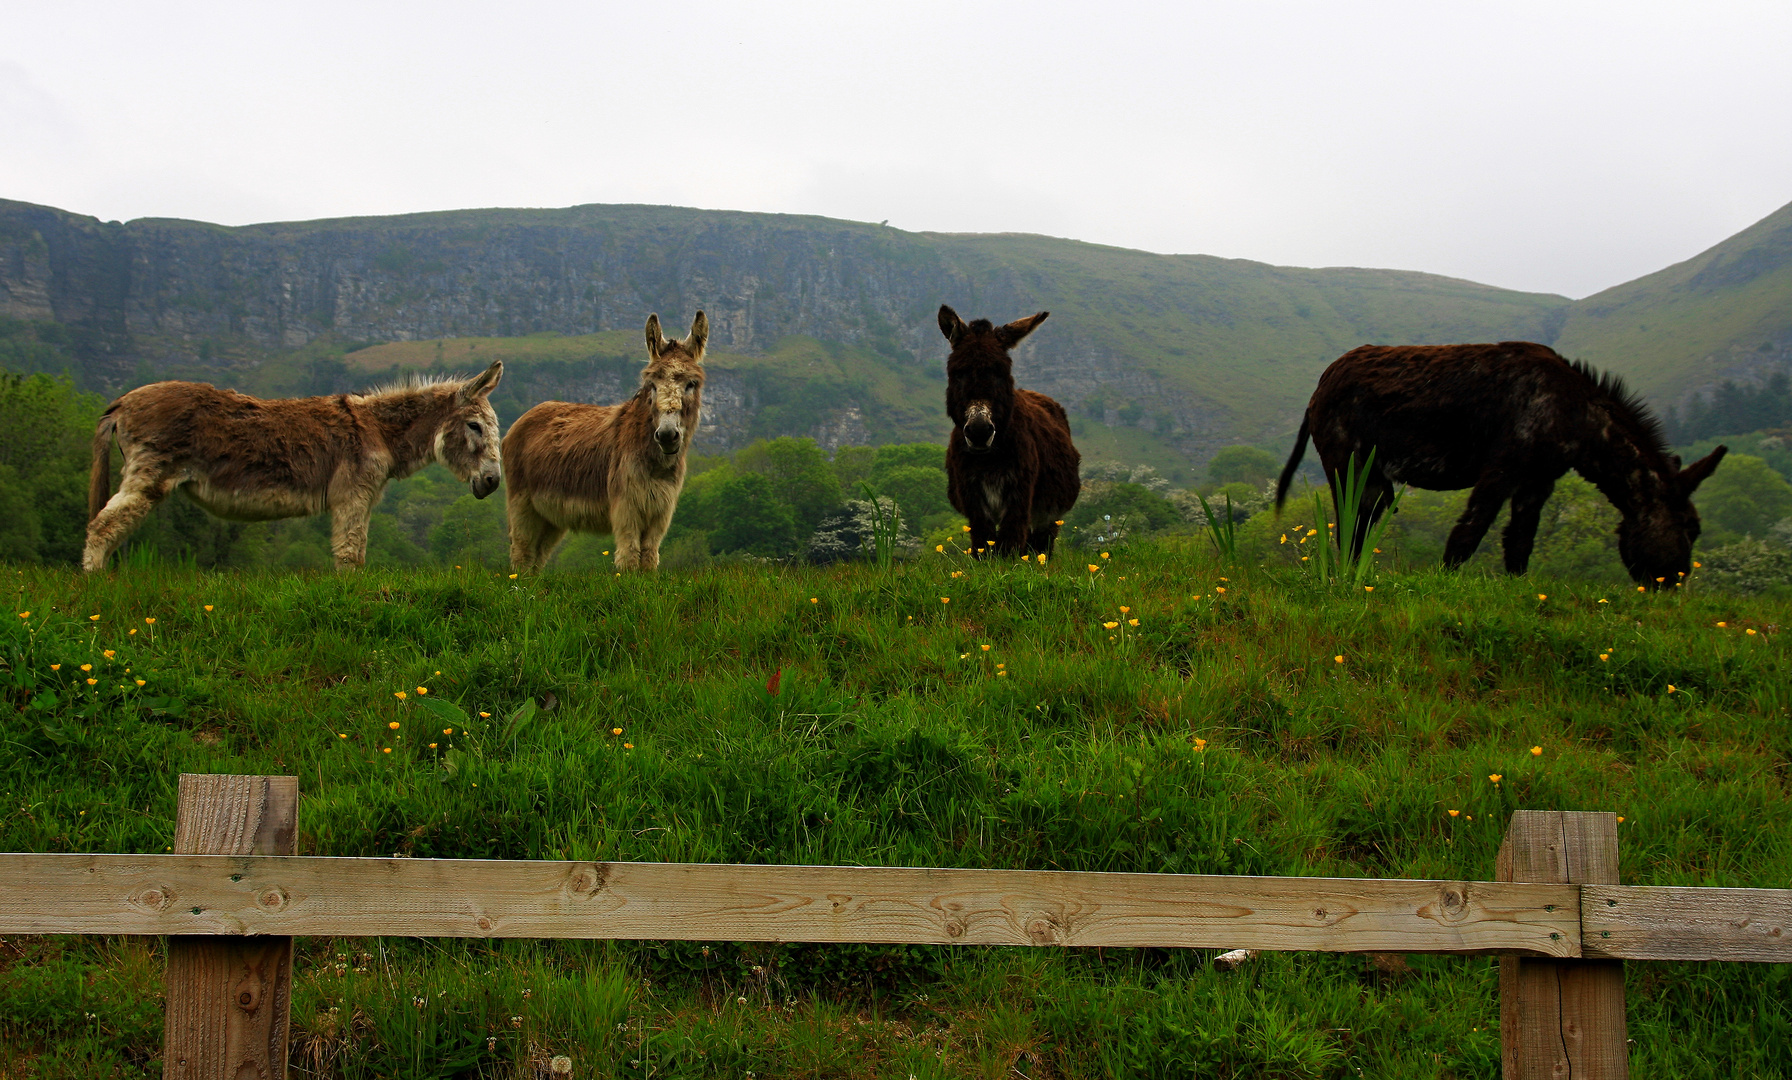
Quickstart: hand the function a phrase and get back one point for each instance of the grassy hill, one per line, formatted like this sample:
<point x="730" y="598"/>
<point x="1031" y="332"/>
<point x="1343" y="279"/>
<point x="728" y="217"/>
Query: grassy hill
<point x="1007" y="728"/>
<point x="1726" y="312"/>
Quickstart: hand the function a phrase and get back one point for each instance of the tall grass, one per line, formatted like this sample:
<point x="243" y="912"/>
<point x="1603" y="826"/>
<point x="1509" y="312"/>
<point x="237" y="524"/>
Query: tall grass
<point x="946" y="711"/>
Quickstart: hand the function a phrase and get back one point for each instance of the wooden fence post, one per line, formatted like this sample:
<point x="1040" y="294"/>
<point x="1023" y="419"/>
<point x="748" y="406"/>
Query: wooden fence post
<point x="1561" y="1018"/>
<point x="230" y="998"/>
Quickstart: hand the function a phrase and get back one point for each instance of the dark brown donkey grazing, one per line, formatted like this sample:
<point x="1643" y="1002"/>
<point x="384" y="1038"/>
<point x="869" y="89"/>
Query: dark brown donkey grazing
<point x="1507" y="420"/>
<point x="1011" y="468"/>
<point x="247" y="459"/>
<point x="608" y="468"/>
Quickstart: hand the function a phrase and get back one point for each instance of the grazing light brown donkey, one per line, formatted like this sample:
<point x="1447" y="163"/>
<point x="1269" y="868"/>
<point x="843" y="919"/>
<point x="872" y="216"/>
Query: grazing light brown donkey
<point x="607" y="468"/>
<point x="246" y="459"/>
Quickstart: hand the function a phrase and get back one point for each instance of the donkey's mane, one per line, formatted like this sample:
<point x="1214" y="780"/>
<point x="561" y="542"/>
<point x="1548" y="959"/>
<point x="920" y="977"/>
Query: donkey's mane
<point x="412" y="384"/>
<point x="1629" y="406"/>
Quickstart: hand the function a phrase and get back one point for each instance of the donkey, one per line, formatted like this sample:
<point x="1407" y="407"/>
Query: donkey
<point x="1011" y="468"/>
<point x="608" y="468"/>
<point x="246" y="459"/>
<point x="1507" y="420"/>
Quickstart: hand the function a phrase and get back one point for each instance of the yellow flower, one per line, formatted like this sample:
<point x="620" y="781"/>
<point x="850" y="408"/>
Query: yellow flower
<point x="386" y="750"/>
<point x="1377" y="551"/>
<point x="399" y="694"/>
<point x="1284" y="539"/>
<point x="1368" y="588"/>
<point x="133" y="631"/>
<point x="1536" y="751"/>
<point x="86" y="667"/>
<point x="815" y="599"/>
<point x="1659" y="580"/>
<point x="1001" y="665"/>
<point x="1602" y="600"/>
<point x="1001" y="674"/>
<point x="55" y="667"/>
<point x="615" y="731"/>
<point x="422" y="690"/>
<point x="393" y="725"/>
<point x="1093" y="568"/>
<point x="606" y="553"/>
<point x="628" y="746"/>
<point x="432" y="746"/>
<point x="1455" y="813"/>
<point x="108" y="654"/>
<point x="1339" y="658"/>
<point x="1124" y="609"/>
<point x="1750" y="631"/>
<point x="486" y="715"/>
<point x="966" y="528"/>
<point x="93" y="618"/>
<point x="1219" y="588"/>
<point x="1104" y="554"/>
<point x="1620" y="816"/>
<point x="91" y="682"/>
<point x="986" y="648"/>
<point x="1109" y="625"/>
<point x="1639" y="588"/>
<point x="1695" y="566"/>
<point x="1604" y="656"/>
<point x="24" y="614"/>
<point x="945" y="599"/>
<point x="941" y="548"/>
<point x="1225" y="579"/>
<point x="341" y="736"/>
<point x="1132" y="622"/>
<point x="447" y="731"/>
<point x="150" y="620"/>
<point x="1042" y="558"/>
<point x="1495" y="777"/>
<point x="513" y="577"/>
<point x="139" y="682"/>
<point x="438" y="673"/>
<point x="208" y="607"/>
<point x="1200" y="746"/>
<point x="1315" y="532"/>
<point x="1060" y="521"/>
<point x="1543" y="596"/>
<point x="1722" y="625"/>
<point x="958" y="573"/>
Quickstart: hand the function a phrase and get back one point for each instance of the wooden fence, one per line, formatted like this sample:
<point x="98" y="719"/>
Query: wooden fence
<point x="234" y="894"/>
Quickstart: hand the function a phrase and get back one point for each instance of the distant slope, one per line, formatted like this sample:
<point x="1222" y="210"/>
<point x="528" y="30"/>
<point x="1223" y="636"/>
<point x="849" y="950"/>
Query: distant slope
<point x="1725" y="313"/>
<point x="1188" y="352"/>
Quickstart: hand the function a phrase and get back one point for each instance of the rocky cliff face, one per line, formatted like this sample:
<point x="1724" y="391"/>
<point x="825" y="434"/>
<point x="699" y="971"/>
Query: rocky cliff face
<point x="1199" y="350"/>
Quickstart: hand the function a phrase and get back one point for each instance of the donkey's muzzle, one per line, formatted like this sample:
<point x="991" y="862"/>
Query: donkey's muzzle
<point x="979" y="438"/>
<point x="484" y="485"/>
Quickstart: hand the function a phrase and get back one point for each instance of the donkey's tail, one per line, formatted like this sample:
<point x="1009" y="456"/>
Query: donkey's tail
<point x="1300" y="451"/>
<point x="99" y="481"/>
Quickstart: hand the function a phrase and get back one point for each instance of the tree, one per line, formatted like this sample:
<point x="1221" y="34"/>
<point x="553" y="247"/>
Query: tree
<point x="1242" y="465"/>
<point x="919" y="490"/>
<point x="44" y="463"/>
<point x="751" y="518"/>
<point x="852" y="464"/>
<point x="800" y="475"/>
<point x="1744" y="497"/>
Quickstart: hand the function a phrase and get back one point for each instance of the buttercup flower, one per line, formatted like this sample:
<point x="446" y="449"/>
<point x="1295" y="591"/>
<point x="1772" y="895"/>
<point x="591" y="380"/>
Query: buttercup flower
<point x="1338" y="659"/>
<point x="399" y="694"/>
<point x="1670" y="688"/>
<point x="615" y="731"/>
<point x="1536" y="751"/>
<point x="1750" y="631"/>
<point x="139" y="682"/>
<point x="208" y="607"/>
<point x="55" y="667"/>
<point x="1109" y="625"/>
<point x="86" y="667"/>
<point x="486" y="715"/>
<point x="24" y="614"/>
<point x="393" y="725"/>
<point x="985" y="648"/>
<point x="1455" y="813"/>
<point x="91" y="682"/>
<point x="1132" y="622"/>
<point x="1495" y="777"/>
<point x="150" y="620"/>
<point x="1200" y="746"/>
<point x="945" y="599"/>
<point x="421" y="690"/>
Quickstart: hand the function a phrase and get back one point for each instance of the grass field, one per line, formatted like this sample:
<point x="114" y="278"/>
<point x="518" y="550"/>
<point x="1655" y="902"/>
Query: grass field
<point x="935" y="713"/>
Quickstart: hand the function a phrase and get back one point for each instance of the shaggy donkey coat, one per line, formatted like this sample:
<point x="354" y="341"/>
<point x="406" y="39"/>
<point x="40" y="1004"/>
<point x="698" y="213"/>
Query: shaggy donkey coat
<point x="1507" y="420"/>
<point x="1011" y="468"/>
<point x="246" y="459"/>
<point x="608" y="468"/>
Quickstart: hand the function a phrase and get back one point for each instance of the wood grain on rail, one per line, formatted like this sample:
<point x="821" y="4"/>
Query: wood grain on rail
<point x="1649" y="922"/>
<point x="307" y="895"/>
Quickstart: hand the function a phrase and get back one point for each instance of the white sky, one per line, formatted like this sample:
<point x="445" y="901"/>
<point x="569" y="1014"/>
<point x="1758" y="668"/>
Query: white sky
<point x="1556" y="146"/>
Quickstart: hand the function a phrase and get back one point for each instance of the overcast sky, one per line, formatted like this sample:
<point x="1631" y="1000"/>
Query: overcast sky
<point x="1558" y="146"/>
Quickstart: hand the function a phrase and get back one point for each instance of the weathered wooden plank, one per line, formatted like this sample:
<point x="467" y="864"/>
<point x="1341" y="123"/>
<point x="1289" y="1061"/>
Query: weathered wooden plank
<point x="1644" y="922"/>
<point x="229" y="1000"/>
<point x="163" y="894"/>
<point x="1561" y="1017"/>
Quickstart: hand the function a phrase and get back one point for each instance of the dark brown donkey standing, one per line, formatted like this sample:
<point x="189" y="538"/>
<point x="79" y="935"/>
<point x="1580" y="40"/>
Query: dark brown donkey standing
<point x="1011" y="468"/>
<point x="1507" y="420"/>
<point x="608" y="468"/>
<point x="247" y="459"/>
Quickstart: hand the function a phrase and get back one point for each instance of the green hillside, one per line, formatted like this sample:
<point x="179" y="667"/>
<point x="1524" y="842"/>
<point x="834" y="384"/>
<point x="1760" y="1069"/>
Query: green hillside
<point x="1726" y="312"/>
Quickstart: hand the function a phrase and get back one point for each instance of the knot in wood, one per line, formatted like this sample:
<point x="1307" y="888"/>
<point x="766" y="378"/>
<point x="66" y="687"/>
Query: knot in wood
<point x="955" y="928"/>
<point x="1043" y="931"/>
<point x="156" y="898"/>
<point x="588" y="880"/>
<point x="272" y="898"/>
<point x="484" y="923"/>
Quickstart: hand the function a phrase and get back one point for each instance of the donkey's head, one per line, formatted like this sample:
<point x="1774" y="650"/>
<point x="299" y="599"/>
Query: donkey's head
<point x="1655" y="539"/>
<point x="980" y="375"/>
<point x="467" y="439"/>
<point x="672" y="384"/>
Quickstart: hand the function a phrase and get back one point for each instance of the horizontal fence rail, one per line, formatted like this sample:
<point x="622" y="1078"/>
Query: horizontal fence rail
<point x="307" y="895"/>
<point x="234" y="895"/>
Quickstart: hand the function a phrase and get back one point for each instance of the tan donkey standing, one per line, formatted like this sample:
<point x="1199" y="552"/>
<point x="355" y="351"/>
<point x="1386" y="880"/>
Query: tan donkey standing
<point x="607" y="468"/>
<point x="246" y="459"/>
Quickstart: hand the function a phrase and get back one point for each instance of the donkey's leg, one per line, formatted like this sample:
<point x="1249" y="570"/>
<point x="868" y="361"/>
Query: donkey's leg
<point x="1017" y="520"/>
<point x="532" y="537"/>
<point x="626" y="528"/>
<point x="653" y="530"/>
<point x="1521" y="528"/>
<point x="1041" y="540"/>
<point x="353" y="493"/>
<point x="139" y="490"/>
<point x="1483" y="506"/>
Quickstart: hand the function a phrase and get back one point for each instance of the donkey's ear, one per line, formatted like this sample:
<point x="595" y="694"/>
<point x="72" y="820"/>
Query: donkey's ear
<point x="483" y="384"/>
<point x="699" y="337"/>
<point x="656" y="341"/>
<point x="1011" y="335"/>
<point x="950" y="324"/>
<point x="1695" y="474"/>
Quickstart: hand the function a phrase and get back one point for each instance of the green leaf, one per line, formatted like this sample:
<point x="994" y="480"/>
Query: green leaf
<point x="520" y="716"/>
<point x="445" y="711"/>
